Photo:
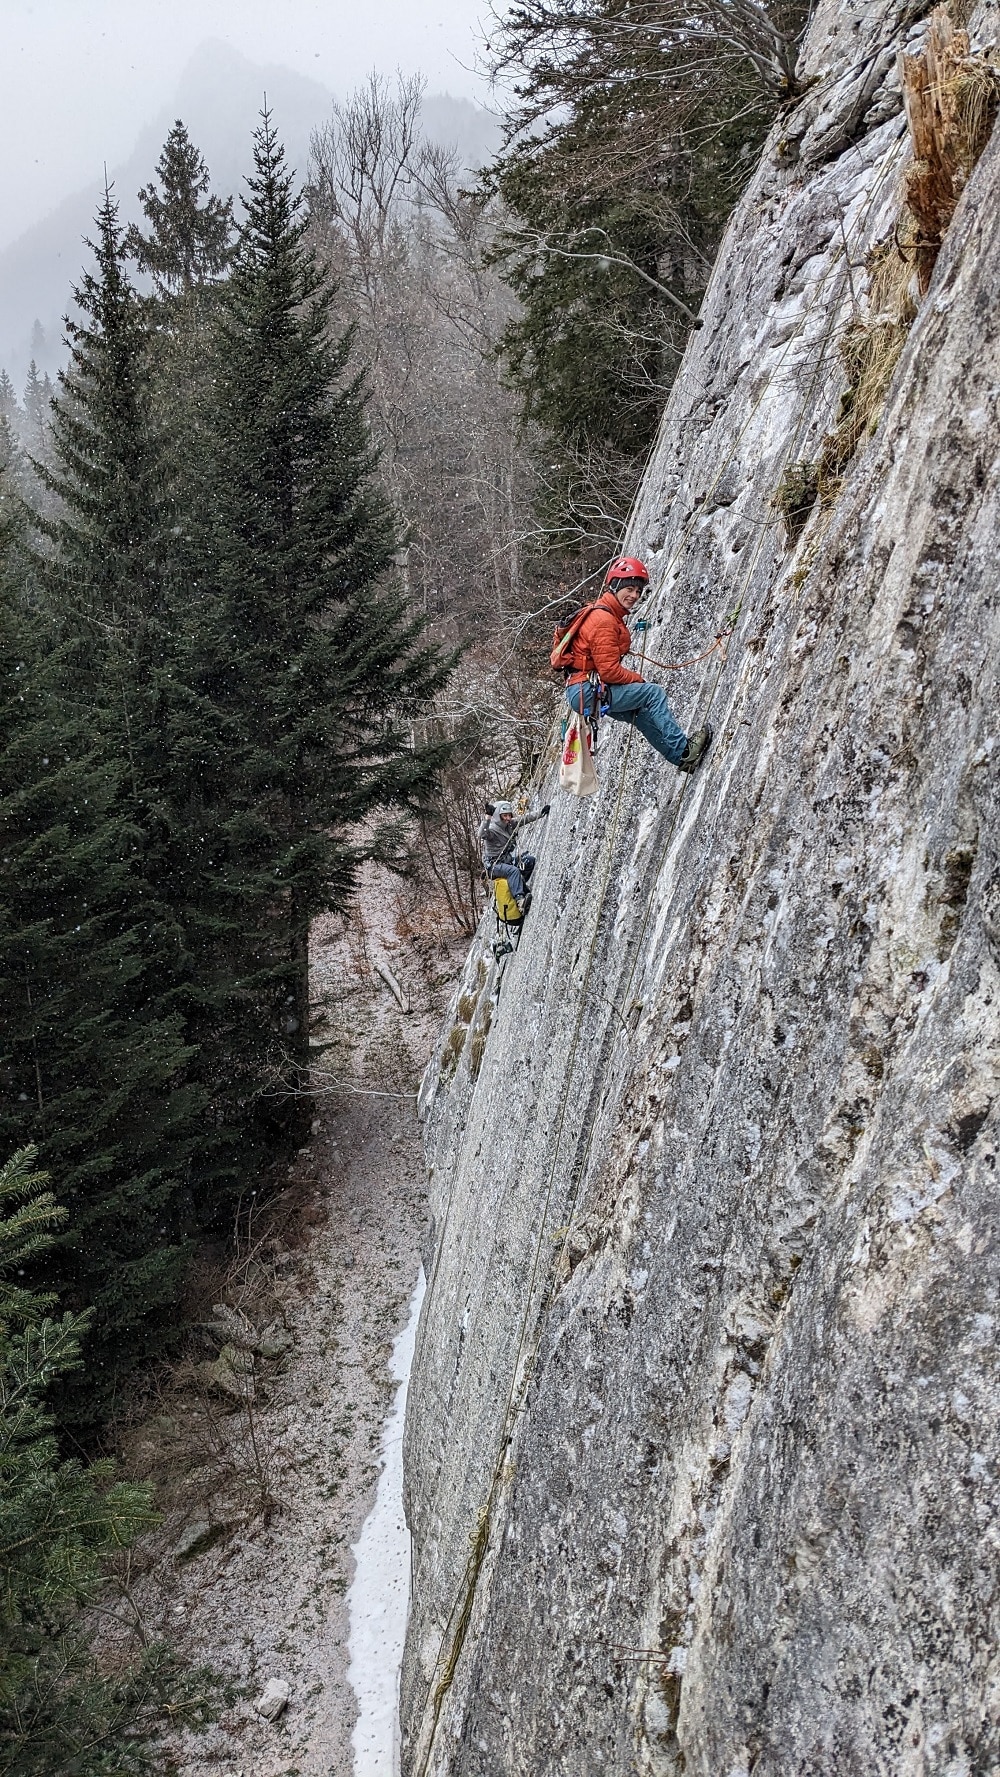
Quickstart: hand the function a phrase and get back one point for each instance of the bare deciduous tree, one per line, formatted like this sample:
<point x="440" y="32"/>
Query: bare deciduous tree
<point x="596" y="41"/>
<point x="409" y="246"/>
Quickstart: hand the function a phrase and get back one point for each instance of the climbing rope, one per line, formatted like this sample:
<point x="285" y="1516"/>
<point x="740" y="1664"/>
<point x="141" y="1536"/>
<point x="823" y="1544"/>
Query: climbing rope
<point x="456" y="1626"/>
<point x="676" y="666"/>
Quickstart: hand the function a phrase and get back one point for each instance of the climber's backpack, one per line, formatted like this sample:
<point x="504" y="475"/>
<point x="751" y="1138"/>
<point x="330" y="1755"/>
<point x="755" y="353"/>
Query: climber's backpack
<point x="560" y="659"/>
<point x="508" y="910"/>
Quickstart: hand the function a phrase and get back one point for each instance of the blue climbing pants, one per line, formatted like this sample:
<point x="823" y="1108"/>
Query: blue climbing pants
<point x="645" y="706"/>
<point x="517" y="872"/>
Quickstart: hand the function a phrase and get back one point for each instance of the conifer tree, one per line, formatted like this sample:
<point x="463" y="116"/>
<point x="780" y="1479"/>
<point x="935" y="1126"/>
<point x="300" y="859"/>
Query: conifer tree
<point x="110" y="472"/>
<point x="633" y="128"/>
<point x="312" y="658"/>
<point x="188" y="244"/>
<point x="93" y="1050"/>
<point x="34" y="395"/>
<point x="13" y="473"/>
<point x="61" y="1525"/>
<point x="8" y="399"/>
<point x="186" y="249"/>
<point x="38" y="392"/>
<point x="91" y="1055"/>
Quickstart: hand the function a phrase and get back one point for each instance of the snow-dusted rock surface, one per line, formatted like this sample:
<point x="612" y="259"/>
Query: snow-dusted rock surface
<point x="736" y="1434"/>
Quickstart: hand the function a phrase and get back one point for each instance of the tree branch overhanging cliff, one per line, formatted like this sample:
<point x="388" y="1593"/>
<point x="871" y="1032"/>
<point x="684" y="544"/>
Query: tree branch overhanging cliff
<point x="553" y="48"/>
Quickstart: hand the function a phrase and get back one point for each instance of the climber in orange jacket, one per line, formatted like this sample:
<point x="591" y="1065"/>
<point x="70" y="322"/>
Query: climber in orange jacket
<point x="596" y="653"/>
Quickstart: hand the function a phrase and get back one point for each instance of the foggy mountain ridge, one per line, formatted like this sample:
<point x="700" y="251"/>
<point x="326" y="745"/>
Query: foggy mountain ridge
<point x="219" y="98"/>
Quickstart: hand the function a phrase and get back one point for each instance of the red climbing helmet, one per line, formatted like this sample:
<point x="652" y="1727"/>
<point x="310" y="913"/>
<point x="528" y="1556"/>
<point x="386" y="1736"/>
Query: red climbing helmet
<point x="626" y="568"/>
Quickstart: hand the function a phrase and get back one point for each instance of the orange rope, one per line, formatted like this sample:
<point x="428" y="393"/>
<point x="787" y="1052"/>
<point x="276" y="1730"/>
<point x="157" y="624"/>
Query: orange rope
<point x="675" y="666"/>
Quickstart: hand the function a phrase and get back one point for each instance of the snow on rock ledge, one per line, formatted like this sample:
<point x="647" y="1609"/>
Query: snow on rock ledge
<point x="749" y="1054"/>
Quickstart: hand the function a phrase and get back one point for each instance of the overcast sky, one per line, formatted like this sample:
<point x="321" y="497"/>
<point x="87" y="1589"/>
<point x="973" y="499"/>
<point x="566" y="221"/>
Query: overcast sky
<point x="79" y="78"/>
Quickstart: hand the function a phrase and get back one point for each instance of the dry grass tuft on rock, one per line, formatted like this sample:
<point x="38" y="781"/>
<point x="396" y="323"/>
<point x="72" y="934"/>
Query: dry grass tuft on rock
<point x="951" y="99"/>
<point x="870" y="350"/>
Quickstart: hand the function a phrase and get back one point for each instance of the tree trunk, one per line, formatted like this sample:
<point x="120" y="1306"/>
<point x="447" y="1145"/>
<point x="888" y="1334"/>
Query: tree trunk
<point x="298" y="1040"/>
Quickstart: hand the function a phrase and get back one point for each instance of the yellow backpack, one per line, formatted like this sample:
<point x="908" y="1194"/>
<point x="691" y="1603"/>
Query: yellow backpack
<point x="508" y="911"/>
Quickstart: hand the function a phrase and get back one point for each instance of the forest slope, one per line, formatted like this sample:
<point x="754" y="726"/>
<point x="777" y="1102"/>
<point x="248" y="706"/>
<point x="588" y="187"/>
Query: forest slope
<point x="706" y="1378"/>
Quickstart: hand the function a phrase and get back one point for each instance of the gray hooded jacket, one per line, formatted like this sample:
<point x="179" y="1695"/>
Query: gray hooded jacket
<point x="498" y="839"/>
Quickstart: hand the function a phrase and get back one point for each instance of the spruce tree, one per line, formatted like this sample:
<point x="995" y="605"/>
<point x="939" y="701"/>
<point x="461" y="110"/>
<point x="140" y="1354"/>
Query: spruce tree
<point x="93" y="1049"/>
<point x="312" y="659"/>
<point x="91" y="1056"/>
<point x="9" y="410"/>
<point x="38" y="392"/>
<point x="110" y="473"/>
<point x="62" y="1524"/>
<point x="188" y="244"/>
<point x="108" y="567"/>
<point x="13" y="475"/>
<point x="186" y="249"/>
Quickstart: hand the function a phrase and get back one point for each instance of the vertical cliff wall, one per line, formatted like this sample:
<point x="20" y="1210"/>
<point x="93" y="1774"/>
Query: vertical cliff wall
<point x="703" y="1437"/>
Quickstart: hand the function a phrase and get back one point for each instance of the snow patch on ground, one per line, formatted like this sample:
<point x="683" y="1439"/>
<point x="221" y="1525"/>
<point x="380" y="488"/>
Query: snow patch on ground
<point x="379" y="1597"/>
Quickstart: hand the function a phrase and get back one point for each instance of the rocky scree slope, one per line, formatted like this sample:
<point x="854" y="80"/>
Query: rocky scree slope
<point x="703" y="1440"/>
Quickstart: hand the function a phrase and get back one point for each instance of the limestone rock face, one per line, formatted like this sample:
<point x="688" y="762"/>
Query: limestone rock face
<point x="703" y="1443"/>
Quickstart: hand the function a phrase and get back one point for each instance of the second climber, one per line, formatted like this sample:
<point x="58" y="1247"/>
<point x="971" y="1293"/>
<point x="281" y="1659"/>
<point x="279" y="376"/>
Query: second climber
<point x="594" y="658"/>
<point x="498" y="836"/>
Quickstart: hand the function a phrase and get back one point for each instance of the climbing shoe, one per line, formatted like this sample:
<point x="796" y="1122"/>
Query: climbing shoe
<point x="697" y="746"/>
<point x="525" y="902"/>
